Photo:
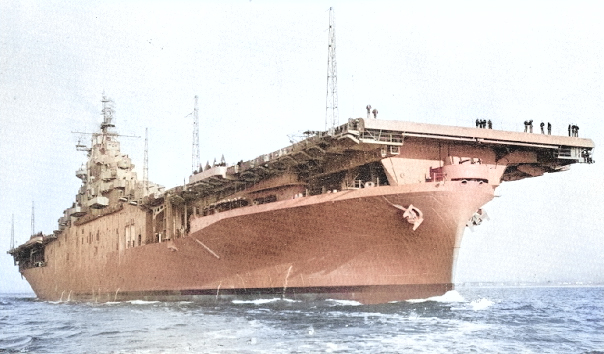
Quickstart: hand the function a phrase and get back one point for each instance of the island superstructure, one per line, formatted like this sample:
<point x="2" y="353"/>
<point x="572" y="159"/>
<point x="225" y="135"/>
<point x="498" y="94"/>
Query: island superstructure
<point x="372" y="210"/>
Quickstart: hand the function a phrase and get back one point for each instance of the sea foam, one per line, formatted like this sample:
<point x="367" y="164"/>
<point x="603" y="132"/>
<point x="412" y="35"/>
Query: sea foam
<point x="449" y="296"/>
<point x="344" y="302"/>
<point x="262" y="301"/>
<point x="142" y="302"/>
<point x="481" y="304"/>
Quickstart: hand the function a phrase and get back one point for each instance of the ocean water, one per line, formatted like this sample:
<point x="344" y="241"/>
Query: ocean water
<point x="466" y="320"/>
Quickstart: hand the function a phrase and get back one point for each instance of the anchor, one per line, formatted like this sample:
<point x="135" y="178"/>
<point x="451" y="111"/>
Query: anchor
<point x="412" y="214"/>
<point x="479" y="216"/>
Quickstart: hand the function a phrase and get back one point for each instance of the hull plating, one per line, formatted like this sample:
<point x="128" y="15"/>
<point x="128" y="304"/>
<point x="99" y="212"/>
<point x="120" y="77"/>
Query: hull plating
<point x="348" y="245"/>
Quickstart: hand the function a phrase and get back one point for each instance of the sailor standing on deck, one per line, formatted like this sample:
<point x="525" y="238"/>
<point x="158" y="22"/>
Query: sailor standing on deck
<point x="542" y="125"/>
<point x="531" y="125"/>
<point x="549" y="128"/>
<point x="368" y="111"/>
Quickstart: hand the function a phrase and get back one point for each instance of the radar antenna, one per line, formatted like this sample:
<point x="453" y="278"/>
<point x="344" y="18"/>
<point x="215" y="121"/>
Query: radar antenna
<point x="107" y="112"/>
<point x="331" y="106"/>
<point x="81" y="146"/>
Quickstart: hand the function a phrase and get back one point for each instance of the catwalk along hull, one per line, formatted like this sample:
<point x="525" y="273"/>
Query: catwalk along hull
<point x="349" y="245"/>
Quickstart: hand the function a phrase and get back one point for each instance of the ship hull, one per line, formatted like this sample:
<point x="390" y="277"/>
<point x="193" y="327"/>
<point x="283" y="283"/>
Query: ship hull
<point x="353" y="245"/>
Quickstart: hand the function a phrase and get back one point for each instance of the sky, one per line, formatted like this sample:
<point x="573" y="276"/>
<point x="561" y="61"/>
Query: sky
<point x="259" y="69"/>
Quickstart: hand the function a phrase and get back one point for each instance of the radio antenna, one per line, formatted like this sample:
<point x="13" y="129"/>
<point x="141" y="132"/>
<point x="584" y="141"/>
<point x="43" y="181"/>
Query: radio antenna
<point x="195" y="162"/>
<point x="331" y="106"/>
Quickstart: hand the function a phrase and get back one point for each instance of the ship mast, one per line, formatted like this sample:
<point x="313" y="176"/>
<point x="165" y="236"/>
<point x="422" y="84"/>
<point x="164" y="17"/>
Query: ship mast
<point x="107" y="112"/>
<point x="331" y="106"/>
<point x="195" y="162"/>
<point x="146" y="162"/>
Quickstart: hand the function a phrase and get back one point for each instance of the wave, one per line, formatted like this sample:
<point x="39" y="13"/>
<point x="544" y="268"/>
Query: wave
<point x="449" y="296"/>
<point x="345" y="302"/>
<point x="108" y="333"/>
<point x="481" y="304"/>
<point x="142" y="302"/>
<point x="262" y="301"/>
<point x="57" y="302"/>
<point x="15" y="344"/>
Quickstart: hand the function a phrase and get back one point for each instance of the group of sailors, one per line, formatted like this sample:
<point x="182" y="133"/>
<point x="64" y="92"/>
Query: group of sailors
<point x="369" y="111"/>
<point x="483" y="123"/>
<point x="586" y="155"/>
<point x="222" y="163"/>
<point x="528" y="127"/>
<point x="573" y="130"/>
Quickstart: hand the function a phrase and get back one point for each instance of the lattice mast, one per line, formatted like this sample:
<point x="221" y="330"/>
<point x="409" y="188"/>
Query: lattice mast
<point x="331" y="106"/>
<point x="195" y="164"/>
<point x="146" y="162"/>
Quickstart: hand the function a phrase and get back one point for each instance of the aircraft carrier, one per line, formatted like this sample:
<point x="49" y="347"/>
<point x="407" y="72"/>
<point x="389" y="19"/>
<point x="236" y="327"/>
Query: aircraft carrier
<point x="371" y="210"/>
